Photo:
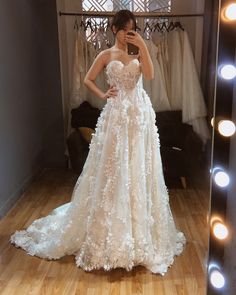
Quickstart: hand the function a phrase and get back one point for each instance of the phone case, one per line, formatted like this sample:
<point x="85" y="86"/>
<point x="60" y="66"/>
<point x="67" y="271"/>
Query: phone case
<point x="132" y="49"/>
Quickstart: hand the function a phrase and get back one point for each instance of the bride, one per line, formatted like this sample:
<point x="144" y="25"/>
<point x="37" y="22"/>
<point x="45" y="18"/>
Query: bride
<point x="119" y="214"/>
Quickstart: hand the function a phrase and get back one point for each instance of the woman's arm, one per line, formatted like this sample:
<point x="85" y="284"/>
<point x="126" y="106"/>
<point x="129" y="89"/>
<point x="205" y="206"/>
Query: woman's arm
<point x="89" y="80"/>
<point x="144" y="56"/>
<point x="146" y="63"/>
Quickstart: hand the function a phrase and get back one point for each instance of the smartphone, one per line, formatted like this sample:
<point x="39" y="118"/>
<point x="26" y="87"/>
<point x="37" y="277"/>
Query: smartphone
<point x="132" y="49"/>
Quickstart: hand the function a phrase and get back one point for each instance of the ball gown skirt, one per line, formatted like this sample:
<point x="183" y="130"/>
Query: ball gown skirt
<point x="119" y="213"/>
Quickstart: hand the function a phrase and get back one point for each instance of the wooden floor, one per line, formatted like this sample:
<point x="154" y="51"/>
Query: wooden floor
<point x="24" y="274"/>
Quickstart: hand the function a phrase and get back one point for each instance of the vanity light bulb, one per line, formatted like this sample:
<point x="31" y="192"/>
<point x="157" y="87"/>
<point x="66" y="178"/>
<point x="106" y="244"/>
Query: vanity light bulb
<point x="228" y="72"/>
<point x="212" y="121"/>
<point x="221" y="178"/>
<point x="217" y="279"/>
<point x="230" y="12"/>
<point x="226" y="127"/>
<point x="220" y="231"/>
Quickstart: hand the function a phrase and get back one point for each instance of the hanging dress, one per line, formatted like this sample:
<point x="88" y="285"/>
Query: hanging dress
<point x="156" y="88"/>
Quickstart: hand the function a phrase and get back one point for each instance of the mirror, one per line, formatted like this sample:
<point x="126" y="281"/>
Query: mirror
<point x="183" y="50"/>
<point x="172" y="112"/>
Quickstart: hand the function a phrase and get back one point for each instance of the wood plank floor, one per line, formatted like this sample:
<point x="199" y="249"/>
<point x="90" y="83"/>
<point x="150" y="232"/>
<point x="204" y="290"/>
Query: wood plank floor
<point x="24" y="274"/>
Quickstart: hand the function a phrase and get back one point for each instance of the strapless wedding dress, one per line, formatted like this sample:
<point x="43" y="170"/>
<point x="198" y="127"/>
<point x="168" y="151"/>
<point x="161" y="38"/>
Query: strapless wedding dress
<point x="119" y="213"/>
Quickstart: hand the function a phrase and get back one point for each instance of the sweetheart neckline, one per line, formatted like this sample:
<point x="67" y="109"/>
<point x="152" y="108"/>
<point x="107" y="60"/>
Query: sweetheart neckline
<point x="125" y="65"/>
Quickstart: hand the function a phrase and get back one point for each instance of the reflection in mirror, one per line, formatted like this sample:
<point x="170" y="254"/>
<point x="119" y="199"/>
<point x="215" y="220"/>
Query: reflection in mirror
<point x="137" y="157"/>
<point x="183" y="51"/>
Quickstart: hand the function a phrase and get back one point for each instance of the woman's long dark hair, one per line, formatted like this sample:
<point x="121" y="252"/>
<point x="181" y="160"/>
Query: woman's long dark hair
<point x="121" y="18"/>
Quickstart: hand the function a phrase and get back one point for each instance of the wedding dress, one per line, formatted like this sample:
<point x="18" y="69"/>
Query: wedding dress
<point x="119" y="213"/>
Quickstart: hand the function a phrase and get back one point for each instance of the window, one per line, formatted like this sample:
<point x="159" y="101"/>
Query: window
<point x="115" y="5"/>
<point x="134" y="5"/>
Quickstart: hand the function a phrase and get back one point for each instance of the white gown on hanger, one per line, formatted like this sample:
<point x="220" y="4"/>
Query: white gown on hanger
<point x="78" y="90"/>
<point x="194" y="108"/>
<point x="175" y="65"/>
<point x="119" y="213"/>
<point x="156" y="88"/>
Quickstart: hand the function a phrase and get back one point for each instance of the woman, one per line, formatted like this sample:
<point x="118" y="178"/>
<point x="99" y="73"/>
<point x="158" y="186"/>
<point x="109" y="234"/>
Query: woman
<point x="119" y="213"/>
<point x="123" y="22"/>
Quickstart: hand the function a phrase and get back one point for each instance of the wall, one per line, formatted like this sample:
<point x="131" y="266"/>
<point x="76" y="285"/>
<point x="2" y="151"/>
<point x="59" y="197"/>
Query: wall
<point x="31" y="124"/>
<point x="54" y="138"/>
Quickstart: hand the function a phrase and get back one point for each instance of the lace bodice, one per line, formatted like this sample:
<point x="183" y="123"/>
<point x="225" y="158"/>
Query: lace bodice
<point x="124" y="76"/>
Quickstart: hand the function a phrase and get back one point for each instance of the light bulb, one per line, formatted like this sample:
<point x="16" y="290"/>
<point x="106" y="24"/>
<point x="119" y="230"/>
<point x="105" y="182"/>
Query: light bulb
<point x="220" y="230"/>
<point x="217" y="279"/>
<point x="221" y="178"/>
<point x="230" y="12"/>
<point x="226" y="127"/>
<point x="212" y="121"/>
<point x="228" y="72"/>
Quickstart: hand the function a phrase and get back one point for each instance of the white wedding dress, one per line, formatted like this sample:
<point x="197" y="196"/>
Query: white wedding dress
<point x="119" y="213"/>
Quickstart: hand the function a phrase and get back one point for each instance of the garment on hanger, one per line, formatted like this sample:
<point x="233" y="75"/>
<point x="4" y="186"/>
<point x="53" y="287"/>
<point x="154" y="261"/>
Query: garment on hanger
<point x="162" y="56"/>
<point x="156" y="87"/>
<point x="78" y="90"/>
<point x="183" y="85"/>
<point x="175" y="69"/>
<point x="193" y="104"/>
<point x="110" y="35"/>
<point x="165" y="57"/>
<point x="100" y="80"/>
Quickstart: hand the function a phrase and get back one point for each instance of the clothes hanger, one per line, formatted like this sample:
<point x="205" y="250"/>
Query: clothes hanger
<point x="157" y="27"/>
<point x="164" y="26"/>
<point x="82" y="24"/>
<point x="147" y="26"/>
<point x="179" y="25"/>
<point x="88" y="24"/>
<point x="171" y="26"/>
<point x="175" y="24"/>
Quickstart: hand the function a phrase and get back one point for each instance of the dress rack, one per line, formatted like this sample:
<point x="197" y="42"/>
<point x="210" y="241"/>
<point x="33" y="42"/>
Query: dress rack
<point x="136" y="14"/>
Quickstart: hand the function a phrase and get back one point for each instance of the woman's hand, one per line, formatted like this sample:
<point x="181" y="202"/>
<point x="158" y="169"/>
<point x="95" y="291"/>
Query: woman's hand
<point x="135" y="39"/>
<point x="112" y="91"/>
<point x="144" y="56"/>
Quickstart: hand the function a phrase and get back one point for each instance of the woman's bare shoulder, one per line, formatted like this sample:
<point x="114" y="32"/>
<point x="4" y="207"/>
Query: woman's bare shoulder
<point x="107" y="52"/>
<point x="105" y="55"/>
